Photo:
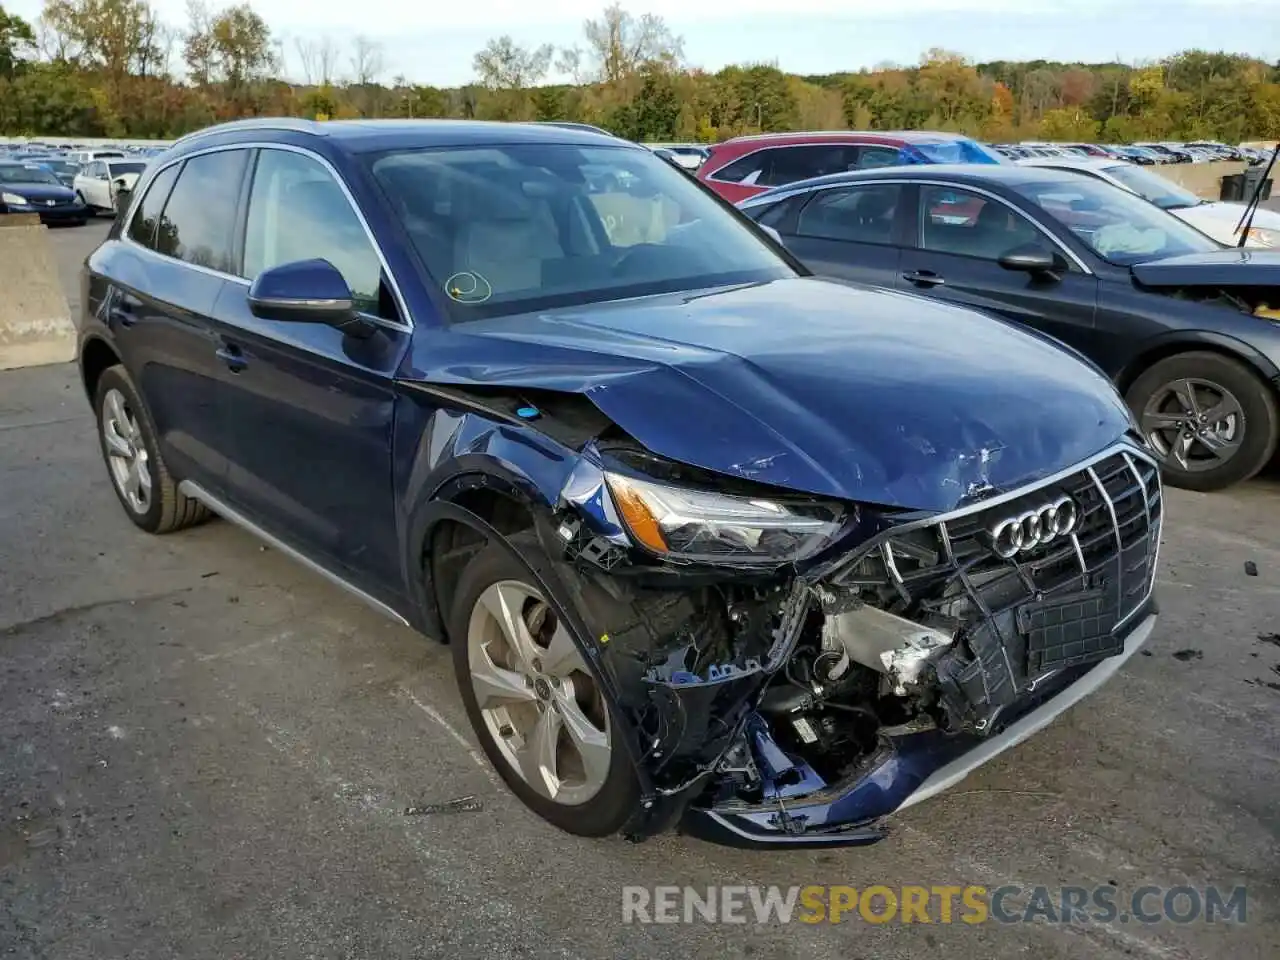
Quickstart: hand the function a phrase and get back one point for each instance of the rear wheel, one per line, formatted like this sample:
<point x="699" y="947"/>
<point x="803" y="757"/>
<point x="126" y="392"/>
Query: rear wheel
<point x="149" y="495"/>
<point x="534" y="703"/>
<point x="1210" y="419"/>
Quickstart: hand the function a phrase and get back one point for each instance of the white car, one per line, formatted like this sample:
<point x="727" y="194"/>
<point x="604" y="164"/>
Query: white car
<point x="88" y="156"/>
<point x="99" y="181"/>
<point x="688" y="155"/>
<point x="1212" y="217"/>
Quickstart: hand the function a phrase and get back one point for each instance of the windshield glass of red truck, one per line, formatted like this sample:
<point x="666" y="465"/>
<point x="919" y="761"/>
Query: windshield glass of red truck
<point x="509" y="229"/>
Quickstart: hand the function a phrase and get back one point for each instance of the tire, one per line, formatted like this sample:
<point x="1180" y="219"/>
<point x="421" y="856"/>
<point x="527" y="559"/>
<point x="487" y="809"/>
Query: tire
<point x="164" y="508"/>
<point x="601" y="813"/>
<point x="1217" y="383"/>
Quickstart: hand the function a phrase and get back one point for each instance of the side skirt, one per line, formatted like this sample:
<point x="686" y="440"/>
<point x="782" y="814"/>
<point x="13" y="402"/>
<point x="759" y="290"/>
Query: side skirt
<point x="240" y="520"/>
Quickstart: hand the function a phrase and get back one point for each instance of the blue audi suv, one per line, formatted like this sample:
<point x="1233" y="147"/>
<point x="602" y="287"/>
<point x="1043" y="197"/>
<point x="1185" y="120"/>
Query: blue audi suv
<point x="716" y="544"/>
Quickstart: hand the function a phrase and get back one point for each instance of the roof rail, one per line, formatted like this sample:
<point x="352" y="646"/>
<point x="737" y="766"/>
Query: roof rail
<point x="294" y="124"/>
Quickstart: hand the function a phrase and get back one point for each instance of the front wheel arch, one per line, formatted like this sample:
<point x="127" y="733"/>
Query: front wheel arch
<point x="96" y="356"/>
<point x="1202" y="342"/>
<point x="459" y="517"/>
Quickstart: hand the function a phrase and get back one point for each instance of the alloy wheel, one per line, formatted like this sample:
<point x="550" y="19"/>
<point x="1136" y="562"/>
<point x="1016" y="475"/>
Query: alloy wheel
<point x="126" y="452"/>
<point x="539" y="701"/>
<point x="1195" y="424"/>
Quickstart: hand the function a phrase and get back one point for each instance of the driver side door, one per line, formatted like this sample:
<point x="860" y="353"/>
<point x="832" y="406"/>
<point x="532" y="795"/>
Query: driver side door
<point x="310" y="407"/>
<point x="957" y="238"/>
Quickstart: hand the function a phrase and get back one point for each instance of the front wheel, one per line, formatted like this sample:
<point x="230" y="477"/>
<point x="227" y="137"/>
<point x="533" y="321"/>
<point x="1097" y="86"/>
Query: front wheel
<point x="533" y="702"/>
<point x="1210" y="419"/>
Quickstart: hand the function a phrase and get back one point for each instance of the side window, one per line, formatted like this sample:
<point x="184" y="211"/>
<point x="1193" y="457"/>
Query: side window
<point x="972" y="225"/>
<point x="870" y="158"/>
<point x="297" y="211"/>
<point x="199" y="220"/>
<point x="775" y="214"/>
<point x="745" y="169"/>
<point x="142" y="228"/>
<point x="789" y="164"/>
<point x="862" y="214"/>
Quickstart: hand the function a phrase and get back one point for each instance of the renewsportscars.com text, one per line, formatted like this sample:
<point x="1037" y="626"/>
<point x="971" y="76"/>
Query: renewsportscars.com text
<point x="944" y="904"/>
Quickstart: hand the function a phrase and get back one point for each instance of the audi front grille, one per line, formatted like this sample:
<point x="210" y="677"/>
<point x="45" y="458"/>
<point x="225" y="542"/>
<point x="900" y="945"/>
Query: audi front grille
<point x="1059" y="604"/>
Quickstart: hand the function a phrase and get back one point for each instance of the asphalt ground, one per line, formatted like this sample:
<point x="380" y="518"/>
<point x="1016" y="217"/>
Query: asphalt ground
<point x="207" y="751"/>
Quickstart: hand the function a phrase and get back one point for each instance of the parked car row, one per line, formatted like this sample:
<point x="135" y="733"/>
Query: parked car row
<point x="69" y="185"/>
<point x="1145" y="154"/>
<point x="692" y="156"/>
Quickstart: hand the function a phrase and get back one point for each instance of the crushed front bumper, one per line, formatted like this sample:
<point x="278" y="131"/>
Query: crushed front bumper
<point x="909" y="769"/>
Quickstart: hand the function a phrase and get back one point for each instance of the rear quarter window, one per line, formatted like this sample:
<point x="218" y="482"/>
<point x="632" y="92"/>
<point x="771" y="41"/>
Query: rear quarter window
<point x="142" y="228"/>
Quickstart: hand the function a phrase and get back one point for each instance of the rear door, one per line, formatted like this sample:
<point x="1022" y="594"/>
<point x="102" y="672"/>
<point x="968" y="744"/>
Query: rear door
<point x="956" y="239"/>
<point x="167" y="273"/>
<point x="312" y="407"/>
<point x="850" y="232"/>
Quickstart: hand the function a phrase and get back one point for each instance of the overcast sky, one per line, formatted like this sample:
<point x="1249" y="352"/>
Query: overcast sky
<point x="433" y="41"/>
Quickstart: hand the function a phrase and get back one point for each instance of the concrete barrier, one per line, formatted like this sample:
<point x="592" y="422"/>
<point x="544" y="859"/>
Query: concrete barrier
<point x="1202" y="179"/>
<point x="35" y="321"/>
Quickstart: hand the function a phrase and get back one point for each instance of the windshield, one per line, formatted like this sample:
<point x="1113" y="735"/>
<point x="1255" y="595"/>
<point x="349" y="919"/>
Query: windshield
<point x="25" y="173"/>
<point x="118" y="169"/>
<point x="958" y="151"/>
<point x="1151" y="186"/>
<point x="508" y="229"/>
<point x="1115" y="224"/>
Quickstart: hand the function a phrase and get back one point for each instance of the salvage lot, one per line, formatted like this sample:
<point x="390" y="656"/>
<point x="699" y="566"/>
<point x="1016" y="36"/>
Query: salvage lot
<point x="206" y="751"/>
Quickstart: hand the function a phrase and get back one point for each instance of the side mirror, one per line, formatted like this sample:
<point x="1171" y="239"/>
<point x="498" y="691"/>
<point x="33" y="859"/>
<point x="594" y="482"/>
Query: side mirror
<point x="305" y="291"/>
<point x="1033" y="259"/>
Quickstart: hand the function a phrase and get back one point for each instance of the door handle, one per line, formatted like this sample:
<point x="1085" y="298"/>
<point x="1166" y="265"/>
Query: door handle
<point x="232" y="356"/>
<point x="923" y="278"/>
<point x="125" y="309"/>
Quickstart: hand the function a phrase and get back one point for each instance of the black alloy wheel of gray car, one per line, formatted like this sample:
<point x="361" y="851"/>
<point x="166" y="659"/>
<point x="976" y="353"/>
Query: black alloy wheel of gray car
<point x="534" y="704"/>
<point x="1210" y="418"/>
<point x="138" y="473"/>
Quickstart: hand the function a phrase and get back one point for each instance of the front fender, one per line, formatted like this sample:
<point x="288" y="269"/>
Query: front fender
<point x="441" y="455"/>
<point x="1177" y="341"/>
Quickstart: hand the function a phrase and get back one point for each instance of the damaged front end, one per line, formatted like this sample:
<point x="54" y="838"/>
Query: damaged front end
<point x="792" y="670"/>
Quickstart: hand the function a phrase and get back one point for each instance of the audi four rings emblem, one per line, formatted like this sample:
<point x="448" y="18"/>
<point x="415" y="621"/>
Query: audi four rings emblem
<point x="1026" y="531"/>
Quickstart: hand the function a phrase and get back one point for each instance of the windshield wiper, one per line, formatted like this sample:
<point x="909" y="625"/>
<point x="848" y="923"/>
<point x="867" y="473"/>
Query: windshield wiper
<point x="1246" y="219"/>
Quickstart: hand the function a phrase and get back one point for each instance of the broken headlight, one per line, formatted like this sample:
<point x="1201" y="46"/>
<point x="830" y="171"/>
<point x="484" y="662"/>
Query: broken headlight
<point x="705" y="525"/>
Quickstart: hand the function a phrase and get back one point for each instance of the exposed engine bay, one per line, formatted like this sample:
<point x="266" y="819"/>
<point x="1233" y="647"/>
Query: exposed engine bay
<point x="1260" y="301"/>
<point x="755" y="685"/>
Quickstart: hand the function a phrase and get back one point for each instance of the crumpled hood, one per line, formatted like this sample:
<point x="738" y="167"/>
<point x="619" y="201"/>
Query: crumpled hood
<point x="807" y="384"/>
<point x="1232" y="267"/>
<point x="39" y="191"/>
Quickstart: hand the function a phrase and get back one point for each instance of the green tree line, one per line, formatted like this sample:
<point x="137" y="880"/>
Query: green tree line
<point x="113" y="68"/>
